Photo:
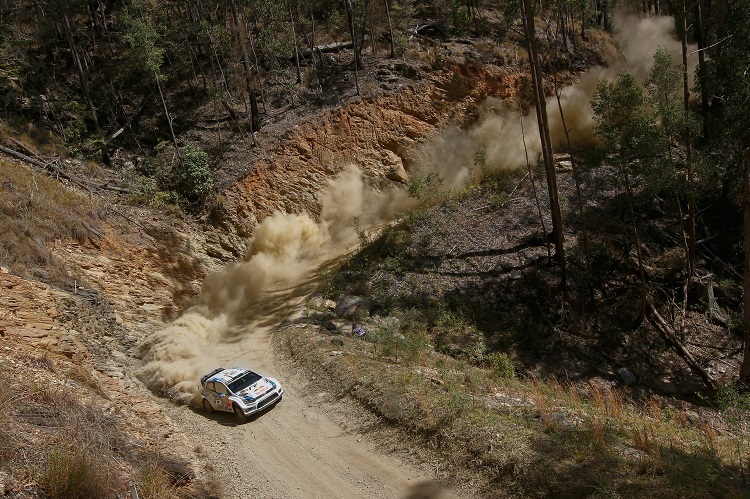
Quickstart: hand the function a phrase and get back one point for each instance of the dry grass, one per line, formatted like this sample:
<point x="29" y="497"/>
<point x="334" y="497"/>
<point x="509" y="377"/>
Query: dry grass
<point x="541" y="437"/>
<point x="53" y="444"/>
<point x="36" y="210"/>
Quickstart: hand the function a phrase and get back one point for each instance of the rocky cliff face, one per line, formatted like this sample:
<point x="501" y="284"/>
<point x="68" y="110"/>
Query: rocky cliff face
<point x="380" y="135"/>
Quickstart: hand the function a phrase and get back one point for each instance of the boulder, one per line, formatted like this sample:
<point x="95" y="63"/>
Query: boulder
<point x="395" y="167"/>
<point x="397" y="173"/>
<point x="664" y="385"/>
<point x="353" y="307"/>
<point x="626" y="376"/>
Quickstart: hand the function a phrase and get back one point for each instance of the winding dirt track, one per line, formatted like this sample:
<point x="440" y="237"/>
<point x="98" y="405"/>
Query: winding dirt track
<point x="302" y="447"/>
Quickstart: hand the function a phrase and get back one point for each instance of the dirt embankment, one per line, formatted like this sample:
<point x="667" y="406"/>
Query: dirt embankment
<point x="378" y="134"/>
<point x="147" y="269"/>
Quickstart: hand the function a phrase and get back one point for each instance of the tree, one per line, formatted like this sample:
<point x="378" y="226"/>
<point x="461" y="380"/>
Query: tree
<point x="69" y="35"/>
<point x="357" y="58"/>
<point x="733" y="79"/>
<point x="632" y="147"/>
<point x="142" y="36"/>
<point x="390" y="28"/>
<point x="541" y="108"/>
<point x="249" y="80"/>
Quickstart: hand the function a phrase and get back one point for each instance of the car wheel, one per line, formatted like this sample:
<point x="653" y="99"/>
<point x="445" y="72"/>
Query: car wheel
<point x="207" y="406"/>
<point x="238" y="414"/>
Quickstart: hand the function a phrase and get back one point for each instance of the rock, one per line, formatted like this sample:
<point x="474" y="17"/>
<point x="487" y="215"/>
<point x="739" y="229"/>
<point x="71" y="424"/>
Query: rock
<point x="329" y="325"/>
<point x="395" y="166"/>
<point x="626" y="376"/>
<point x="337" y="342"/>
<point x="397" y="173"/>
<point x="353" y="307"/>
<point x="321" y="304"/>
<point x="664" y="385"/>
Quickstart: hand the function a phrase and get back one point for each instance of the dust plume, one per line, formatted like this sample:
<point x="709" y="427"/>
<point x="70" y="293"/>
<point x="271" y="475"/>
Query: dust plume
<point x="281" y="253"/>
<point x="638" y="39"/>
<point x="498" y="130"/>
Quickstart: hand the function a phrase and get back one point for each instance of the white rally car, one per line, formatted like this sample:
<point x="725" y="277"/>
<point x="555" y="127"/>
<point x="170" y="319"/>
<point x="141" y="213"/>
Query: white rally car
<point x="237" y="390"/>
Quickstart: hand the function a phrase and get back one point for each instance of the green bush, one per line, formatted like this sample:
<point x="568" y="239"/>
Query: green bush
<point x="502" y="365"/>
<point x="194" y="178"/>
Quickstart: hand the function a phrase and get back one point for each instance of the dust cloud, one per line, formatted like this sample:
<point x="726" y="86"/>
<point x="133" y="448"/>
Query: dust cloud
<point x="281" y="254"/>
<point x="498" y="131"/>
<point x="285" y="247"/>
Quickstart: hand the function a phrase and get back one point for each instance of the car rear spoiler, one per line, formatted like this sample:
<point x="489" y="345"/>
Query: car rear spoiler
<point x="215" y="371"/>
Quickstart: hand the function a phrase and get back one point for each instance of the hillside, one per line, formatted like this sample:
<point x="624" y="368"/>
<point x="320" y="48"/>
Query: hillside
<point x="142" y="249"/>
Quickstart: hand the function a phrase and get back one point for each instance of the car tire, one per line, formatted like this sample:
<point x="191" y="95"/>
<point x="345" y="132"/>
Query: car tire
<point x="207" y="406"/>
<point x="238" y="414"/>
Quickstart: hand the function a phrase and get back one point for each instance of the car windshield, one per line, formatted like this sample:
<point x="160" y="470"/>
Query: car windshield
<point x="244" y="381"/>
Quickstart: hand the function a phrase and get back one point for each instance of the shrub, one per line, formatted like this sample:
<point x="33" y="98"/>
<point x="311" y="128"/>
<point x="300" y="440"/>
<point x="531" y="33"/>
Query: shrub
<point x="70" y="472"/>
<point x="502" y="365"/>
<point x="194" y="177"/>
<point x="153" y="483"/>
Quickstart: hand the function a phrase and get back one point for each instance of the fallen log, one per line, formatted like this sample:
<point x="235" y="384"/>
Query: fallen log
<point x="328" y="47"/>
<point x="127" y="125"/>
<point x="670" y="337"/>
<point x="55" y="170"/>
<point x="50" y="167"/>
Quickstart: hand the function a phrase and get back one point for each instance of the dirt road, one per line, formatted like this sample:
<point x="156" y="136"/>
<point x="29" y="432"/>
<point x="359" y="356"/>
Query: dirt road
<point x="302" y="447"/>
<point x="308" y="445"/>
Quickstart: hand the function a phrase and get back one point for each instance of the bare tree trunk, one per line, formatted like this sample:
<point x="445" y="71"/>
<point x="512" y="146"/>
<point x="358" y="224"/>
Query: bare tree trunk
<point x="82" y="77"/>
<point x="639" y="254"/>
<point x="702" y="74"/>
<point x="745" y="368"/>
<point x="168" y="116"/>
<point x="390" y="28"/>
<point x="254" y="113"/>
<point x="296" y="49"/>
<point x="312" y="33"/>
<point x="577" y="180"/>
<point x="688" y="148"/>
<point x="536" y="194"/>
<point x="350" y="17"/>
<point x="549" y="166"/>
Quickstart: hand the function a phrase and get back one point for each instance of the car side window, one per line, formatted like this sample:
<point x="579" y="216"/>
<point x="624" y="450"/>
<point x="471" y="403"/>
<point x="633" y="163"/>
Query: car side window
<point x="220" y="388"/>
<point x="210" y="386"/>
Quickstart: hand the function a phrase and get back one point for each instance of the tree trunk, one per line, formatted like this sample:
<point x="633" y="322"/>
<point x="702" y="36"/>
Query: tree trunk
<point x="549" y="166"/>
<point x="168" y="116"/>
<point x="688" y="148"/>
<point x="745" y="368"/>
<point x="350" y="17"/>
<point x="639" y="254"/>
<point x="82" y="77"/>
<point x="536" y="195"/>
<point x="254" y="112"/>
<point x="390" y="28"/>
<point x="702" y="74"/>
<point x="294" y="40"/>
<point x="577" y="180"/>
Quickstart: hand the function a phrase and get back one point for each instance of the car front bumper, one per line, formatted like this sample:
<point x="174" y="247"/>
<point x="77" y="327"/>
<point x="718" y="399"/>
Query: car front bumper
<point x="263" y="402"/>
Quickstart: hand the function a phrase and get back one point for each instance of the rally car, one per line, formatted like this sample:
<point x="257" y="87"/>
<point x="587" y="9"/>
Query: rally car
<point x="240" y="391"/>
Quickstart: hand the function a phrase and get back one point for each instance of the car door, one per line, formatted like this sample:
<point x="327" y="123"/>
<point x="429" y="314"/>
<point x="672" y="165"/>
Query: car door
<point x="222" y="395"/>
<point x="209" y="392"/>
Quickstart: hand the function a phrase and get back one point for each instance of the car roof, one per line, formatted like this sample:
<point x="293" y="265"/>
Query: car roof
<point x="228" y="375"/>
